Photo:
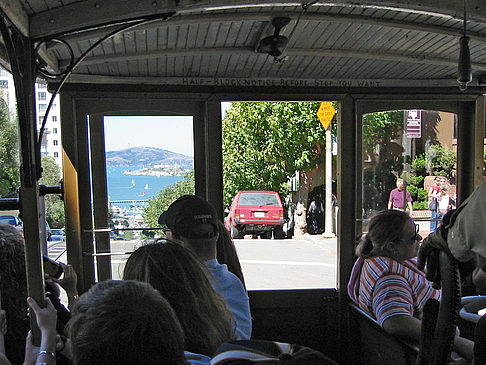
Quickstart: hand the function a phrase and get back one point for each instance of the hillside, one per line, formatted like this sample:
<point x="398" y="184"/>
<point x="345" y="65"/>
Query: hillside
<point x="146" y="156"/>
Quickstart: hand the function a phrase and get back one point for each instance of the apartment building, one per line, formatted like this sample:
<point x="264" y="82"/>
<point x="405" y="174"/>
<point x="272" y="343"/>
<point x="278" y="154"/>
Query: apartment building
<point x="51" y="141"/>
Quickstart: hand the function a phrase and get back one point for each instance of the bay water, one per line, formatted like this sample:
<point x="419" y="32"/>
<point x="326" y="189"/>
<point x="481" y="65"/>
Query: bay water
<point x="128" y="187"/>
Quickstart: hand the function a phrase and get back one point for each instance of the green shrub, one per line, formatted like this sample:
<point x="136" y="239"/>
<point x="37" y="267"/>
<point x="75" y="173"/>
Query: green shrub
<point x="420" y="205"/>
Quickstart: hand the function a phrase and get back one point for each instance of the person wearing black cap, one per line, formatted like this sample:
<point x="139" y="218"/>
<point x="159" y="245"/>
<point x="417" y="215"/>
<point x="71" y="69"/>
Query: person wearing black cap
<point x="193" y="222"/>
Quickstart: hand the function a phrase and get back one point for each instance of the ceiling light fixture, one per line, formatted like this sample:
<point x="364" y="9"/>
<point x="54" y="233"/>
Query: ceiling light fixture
<point x="464" y="69"/>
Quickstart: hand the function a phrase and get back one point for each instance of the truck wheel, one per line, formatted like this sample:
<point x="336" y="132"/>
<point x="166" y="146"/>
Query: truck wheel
<point x="278" y="233"/>
<point x="266" y="235"/>
<point x="234" y="232"/>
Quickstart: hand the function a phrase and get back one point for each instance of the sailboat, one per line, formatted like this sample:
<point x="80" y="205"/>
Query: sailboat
<point x="146" y="186"/>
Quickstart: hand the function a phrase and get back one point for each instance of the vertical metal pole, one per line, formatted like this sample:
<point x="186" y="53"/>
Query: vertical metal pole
<point x="406" y="143"/>
<point x="328" y="233"/>
<point x="21" y="55"/>
<point x="214" y="154"/>
<point x="100" y="195"/>
<point x="43" y="224"/>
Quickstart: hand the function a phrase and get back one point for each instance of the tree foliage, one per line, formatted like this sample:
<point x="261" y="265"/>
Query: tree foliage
<point x="380" y="132"/>
<point x="9" y="161"/>
<point x="266" y="143"/>
<point x="381" y="129"/>
<point x="51" y="176"/>
<point x="165" y="197"/>
<point x="441" y="160"/>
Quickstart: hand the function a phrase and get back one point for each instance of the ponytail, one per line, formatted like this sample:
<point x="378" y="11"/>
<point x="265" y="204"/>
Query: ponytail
<point x="365" y="247"/>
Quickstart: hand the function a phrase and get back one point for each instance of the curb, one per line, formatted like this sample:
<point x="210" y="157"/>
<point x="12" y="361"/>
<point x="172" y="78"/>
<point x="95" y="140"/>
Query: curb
<point x="328" y="243"/>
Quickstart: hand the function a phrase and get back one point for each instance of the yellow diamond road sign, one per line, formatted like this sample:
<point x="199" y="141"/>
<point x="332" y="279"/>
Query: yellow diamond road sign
<point x="326" y="113"/>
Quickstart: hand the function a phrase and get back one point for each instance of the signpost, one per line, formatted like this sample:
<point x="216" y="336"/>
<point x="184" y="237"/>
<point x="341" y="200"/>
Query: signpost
<point x="325" y="113"/>
<point x="414" y="123"/>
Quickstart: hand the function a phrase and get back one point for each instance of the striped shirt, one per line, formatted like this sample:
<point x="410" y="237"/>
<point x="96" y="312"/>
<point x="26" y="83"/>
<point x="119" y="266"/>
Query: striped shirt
<point x="388" y="288"/>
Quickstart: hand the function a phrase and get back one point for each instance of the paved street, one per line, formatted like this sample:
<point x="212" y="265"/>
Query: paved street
<point x="309" y="262"/>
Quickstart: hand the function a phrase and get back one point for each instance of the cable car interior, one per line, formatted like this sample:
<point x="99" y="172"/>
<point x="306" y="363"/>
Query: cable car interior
<point x="179" y="57"/>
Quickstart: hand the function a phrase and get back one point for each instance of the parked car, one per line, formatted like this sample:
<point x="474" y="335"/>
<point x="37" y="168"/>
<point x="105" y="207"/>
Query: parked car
<point x="13" y="221"/>
<point x="57" y="235"/>
<point x="256" y="213"/>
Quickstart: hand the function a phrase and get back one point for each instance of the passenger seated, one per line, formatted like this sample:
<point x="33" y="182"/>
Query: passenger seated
<point x="13" y="291"/>
<point x="386" y="283"/>
<point x="193" y="222"/>
<point x="182" y="279"/>
<point x="125" y="322"/>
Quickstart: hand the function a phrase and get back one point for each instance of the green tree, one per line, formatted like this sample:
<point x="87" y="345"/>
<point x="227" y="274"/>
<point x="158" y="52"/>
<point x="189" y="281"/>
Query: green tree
<point x="382" y="132"/>
<point x="9" y="146"/>
<point x="51" y="176"/>
<point x="266" y="143"/>
<point x="165" y="197"/>
<point x="442" y="161"/>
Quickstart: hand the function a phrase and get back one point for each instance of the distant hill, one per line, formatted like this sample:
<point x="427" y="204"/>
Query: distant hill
<point x="146" y="156"/>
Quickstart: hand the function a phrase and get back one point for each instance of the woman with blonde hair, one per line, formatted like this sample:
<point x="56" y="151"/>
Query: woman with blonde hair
<point x="184" y="281"/>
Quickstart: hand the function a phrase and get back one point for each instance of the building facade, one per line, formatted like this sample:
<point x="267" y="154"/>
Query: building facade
<point x="51" y="141"/>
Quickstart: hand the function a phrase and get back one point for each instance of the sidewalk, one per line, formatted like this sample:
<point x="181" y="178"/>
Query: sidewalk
<point x="328" y="243"/>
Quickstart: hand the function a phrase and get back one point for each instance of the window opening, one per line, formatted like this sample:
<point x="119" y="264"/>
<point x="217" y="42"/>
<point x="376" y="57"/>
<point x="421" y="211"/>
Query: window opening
<point x="416" y="146"/>
<point x="272" y="148"/>
<point x="149" y="164"/>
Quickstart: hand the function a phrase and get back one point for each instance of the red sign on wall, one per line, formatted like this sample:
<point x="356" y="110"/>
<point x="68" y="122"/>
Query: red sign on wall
<point x="414" y="123"/>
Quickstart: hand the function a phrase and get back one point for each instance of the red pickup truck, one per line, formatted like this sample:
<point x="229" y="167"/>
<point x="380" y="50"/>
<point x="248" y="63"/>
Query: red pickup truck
<point x="256" y="213"/>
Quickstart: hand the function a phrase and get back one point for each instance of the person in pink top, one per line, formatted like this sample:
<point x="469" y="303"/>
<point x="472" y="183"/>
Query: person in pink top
<point x="396" y="200"/>
<point x="386" y="283"/>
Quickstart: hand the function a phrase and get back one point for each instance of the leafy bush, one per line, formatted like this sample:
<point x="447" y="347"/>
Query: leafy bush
<point x="422" y="195"/>
<point x="420" y="205"/>
<point x="442" y="161"/>
<point x="419" y="165"/>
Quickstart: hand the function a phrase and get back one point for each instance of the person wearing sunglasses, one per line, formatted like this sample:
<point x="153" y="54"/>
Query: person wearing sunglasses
<point x="386" y="283"/>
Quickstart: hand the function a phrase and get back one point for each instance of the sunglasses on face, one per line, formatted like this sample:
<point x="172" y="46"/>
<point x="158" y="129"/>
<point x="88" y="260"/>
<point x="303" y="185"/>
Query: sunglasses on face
<point x="416" y="236"/>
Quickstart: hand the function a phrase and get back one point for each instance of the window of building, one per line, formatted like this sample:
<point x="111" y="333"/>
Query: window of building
<point x="55" y="142"/>
<point x="41" y="96"/>
<point x="54" y="118"/>
<point x="54" y="130"/>
<point x="54" y="106"/>
<point x="41" y="118"/>
<point x="42" y="107"/>
<point x="42" y="86"/>
<point x="56" y="154"/>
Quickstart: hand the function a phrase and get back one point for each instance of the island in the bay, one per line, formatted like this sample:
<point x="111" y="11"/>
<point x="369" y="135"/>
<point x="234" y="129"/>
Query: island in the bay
<point x="157" y="170"/>
<point x="155" y="161"/>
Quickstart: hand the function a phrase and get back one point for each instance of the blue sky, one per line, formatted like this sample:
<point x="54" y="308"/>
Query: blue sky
<point x="172" y="133"/>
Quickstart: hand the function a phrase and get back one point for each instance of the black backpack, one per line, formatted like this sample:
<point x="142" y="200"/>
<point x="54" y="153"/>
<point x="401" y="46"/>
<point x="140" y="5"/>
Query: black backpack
<point x="247" y="352"/>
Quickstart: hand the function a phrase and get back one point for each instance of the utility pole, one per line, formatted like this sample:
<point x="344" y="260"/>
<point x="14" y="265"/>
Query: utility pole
<point x="325" y="114"/>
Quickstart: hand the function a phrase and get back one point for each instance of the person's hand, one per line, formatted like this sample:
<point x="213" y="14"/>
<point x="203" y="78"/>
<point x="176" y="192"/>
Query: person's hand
<point x="31" y="351"/>
<point x="69" y="281"/>
<point x="3" y="321"/>
<point x="45" y="317"/>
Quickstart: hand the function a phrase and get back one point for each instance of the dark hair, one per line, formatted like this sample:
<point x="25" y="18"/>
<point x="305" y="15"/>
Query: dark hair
<point x="226" y="252"/>
<point x="13" y="290"/>
<point x="384" y="232"/>
<point x="125" y="322"/>
<point x="184" y="281"/>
